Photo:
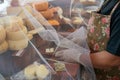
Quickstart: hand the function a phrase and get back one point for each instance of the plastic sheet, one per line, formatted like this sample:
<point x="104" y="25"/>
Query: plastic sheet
<point x="43" y="44"/>
<point x="18" y="52"/>
<point x="83" y="8"/>
<point x="64" y="43"/>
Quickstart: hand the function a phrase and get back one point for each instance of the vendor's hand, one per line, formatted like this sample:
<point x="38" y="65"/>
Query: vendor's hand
<point x="68" y="55"/>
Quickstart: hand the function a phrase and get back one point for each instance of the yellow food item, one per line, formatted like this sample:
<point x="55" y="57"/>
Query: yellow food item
<point x="30" y="72"/>
<point x="1" y="22"/>
<point x="48" y="14"/>
<point x="41" y="6"/>
<point x="42" y="72"/>
<point x="66" y="20"/>
<point x="3" y="47"/>
<point x="17" y="45"/>
<point x="35" y="31"/>
<point x="77" y="20"/>
<point x="30" y="36"/>
<point x="59" y="66"/>
<point x="16" y="33"/>
<point x="36" y="71"/>
<point x="10" y="21"/>
<point x="54" y="22"/>
<point x="2" y="34"/>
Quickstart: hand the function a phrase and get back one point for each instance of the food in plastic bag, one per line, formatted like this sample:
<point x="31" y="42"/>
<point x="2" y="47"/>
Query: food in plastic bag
<point x="10" y="21"/>
<point x="59" y="66"/>
<point x="2" y="34"/>
<point x="32" y="71"/>
<point x="61" y="43"/>
<point x="3" y="46"/>
<point x="83" y="8"/>
<point x="51" y="39"/>
<point x="41" y="6"/>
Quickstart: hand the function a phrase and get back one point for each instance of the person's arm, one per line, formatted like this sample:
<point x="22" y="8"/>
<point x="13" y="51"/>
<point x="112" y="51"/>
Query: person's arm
<point x="104" y="59"/>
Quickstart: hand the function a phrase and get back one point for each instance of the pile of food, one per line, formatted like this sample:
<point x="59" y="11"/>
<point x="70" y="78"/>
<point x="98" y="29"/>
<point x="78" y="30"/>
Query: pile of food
<point x="36" y="71"/>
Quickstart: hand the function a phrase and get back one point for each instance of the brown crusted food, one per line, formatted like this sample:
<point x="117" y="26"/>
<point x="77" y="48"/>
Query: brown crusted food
<point x="2" y="34"/>
<point x="49" y="13"/>
<point x="54" y="22"/>
<point x="41" y="6"/>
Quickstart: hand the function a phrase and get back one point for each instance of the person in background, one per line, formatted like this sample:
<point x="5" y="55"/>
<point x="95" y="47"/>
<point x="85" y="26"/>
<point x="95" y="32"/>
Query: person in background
<point x="104" y="58"/>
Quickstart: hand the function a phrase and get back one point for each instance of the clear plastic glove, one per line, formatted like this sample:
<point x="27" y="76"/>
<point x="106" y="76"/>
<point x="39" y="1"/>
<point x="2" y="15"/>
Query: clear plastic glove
<point x="68" y="55"/>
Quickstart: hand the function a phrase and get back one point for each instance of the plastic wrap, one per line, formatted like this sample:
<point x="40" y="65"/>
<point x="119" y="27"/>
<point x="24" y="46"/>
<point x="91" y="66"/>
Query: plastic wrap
<point x="18" y="52"/>
<point x="83" y="8"/>
<point x="44" y="41"/>
<point x="62" y="43"/>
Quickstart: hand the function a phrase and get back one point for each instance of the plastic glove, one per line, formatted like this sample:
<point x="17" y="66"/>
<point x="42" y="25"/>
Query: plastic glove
<point x="68" y="55"/>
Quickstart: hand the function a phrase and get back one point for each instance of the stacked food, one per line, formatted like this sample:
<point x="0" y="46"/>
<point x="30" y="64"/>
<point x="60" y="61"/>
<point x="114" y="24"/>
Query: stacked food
<point x="13" y="34"/>
<point x="48" y="12"/>
<point x="3" y="42"/>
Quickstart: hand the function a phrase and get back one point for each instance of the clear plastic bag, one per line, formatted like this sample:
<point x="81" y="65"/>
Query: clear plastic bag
<point x="45" y="43"/>
<point x="83" y="8"/>
<point x="18" y="52"/>
<point x="62" y="43"/>
<point x="57" y="13"/>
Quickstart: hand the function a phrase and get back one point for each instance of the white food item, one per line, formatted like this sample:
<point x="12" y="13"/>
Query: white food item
<point x="2" y="34"/>
<point x="16" y="35"/>
<point x="49" y="50"/>
<point x="30" y="72"/>
<point x="67" y="20"/>
<point x="3" y="47"/>
<point x="36" y="71"/>
<point x="52" y="50"/>
<point x="10" y="21"/>
<point x="77" y="21"/>
<point x="17" y="45"/>
<point x="42" y="72"/>
<point x="59" y="66"/>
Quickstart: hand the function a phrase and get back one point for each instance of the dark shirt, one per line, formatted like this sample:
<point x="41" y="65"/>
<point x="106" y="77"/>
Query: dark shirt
<point x="113" y="45"/>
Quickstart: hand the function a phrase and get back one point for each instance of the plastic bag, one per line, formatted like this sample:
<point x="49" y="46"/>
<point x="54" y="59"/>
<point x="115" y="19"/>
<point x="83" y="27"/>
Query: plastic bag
<point x="64" y="43"/>
<point x="17" y="51"/>
<point x="56" y="13"/>
<point x="82" y="9"/>
<point x="47" y="39"/>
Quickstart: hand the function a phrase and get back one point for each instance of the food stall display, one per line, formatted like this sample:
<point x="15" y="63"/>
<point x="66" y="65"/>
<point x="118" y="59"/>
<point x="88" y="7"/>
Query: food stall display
<point x="33" y="32"/>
